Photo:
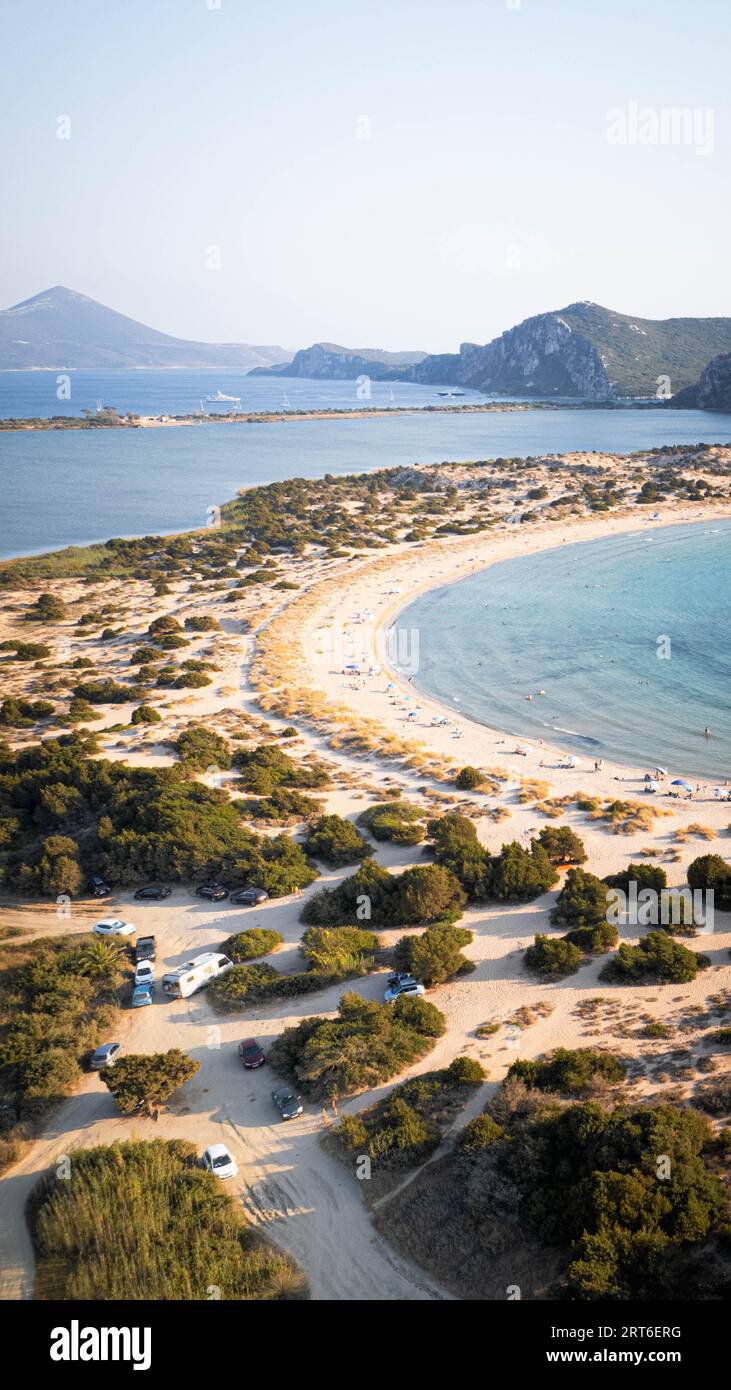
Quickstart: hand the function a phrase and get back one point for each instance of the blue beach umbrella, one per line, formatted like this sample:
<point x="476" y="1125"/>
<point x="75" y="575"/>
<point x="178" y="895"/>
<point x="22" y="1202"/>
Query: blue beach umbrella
<point x="680" y="783"/>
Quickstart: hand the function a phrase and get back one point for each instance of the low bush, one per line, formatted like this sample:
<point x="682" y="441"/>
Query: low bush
<point x="552" y="958"/>
<point x="365" y="1045"/>
<point x="435" y="955"/>
<point x="335" y="841"/>
<point x="250" y="944"/>
<point x="657" y="959"/>
<point x="570" y="1072"/>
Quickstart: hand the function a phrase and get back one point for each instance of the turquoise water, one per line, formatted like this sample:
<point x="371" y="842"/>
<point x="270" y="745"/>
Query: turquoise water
<point x="71" y="488"/>
<point x="585" y="623"/>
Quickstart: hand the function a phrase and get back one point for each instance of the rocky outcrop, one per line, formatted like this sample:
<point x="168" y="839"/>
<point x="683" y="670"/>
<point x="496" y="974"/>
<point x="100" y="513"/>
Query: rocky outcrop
<point x="331" y="362"/>
<point x="713" y="390"/>
<point x="543" y="356"/>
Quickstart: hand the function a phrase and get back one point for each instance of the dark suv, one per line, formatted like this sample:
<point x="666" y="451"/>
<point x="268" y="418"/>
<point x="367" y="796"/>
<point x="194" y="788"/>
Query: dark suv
<point x="98" y="887"/>
<point x="248" y="897"/>
<point x="153" y="891"/>
<point x="214" y="892"/>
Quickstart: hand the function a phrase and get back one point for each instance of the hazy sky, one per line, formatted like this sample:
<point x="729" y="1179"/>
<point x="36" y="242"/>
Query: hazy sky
<point x="395" y="173"/>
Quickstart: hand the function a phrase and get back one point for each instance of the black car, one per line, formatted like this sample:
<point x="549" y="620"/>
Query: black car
<point x="98" y="887"/>
<point x="144" y="948"/>
<point x="214" y="892"/>
<point x="154" y="891"/>
<point x="248" y="897"/>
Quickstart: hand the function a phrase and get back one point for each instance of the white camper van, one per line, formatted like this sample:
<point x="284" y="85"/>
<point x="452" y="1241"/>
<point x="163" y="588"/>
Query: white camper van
<point x="194" y="974"/>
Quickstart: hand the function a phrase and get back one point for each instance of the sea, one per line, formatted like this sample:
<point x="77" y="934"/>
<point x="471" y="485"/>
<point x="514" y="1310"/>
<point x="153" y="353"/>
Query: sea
<point x="626" y="637"/>
<point x="75" y="487"/>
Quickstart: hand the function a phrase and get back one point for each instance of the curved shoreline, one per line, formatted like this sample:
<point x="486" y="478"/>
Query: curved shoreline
<point x="483" y="552"/>
<point x="584" y="744"/>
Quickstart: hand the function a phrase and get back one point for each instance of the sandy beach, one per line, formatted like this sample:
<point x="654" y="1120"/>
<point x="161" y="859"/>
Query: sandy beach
<point x="290" y="664"/>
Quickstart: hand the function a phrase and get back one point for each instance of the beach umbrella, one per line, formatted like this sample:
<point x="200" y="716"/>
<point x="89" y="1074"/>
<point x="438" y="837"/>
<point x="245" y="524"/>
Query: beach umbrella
<point x="680" y="783"/>
<point x="651" y="786"/>
<point x="661" y="772"/>
<point x="574" y="762"/>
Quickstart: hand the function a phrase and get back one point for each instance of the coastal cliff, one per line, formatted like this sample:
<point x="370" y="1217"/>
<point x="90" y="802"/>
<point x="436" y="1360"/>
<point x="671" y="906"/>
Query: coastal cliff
<point x="713" y="390"/>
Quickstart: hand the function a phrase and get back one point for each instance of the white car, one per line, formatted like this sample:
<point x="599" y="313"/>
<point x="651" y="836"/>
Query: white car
<point x="144" y="973"/>
<point x="112" y="926"/>
<point x="217" y="1159"/>
<point x="402" y="985"/>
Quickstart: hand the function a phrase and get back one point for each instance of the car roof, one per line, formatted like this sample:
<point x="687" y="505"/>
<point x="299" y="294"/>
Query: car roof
<point x="106" y="1047"/>
<point x="248" y="1042"/>
<point x="217" y="1151"/>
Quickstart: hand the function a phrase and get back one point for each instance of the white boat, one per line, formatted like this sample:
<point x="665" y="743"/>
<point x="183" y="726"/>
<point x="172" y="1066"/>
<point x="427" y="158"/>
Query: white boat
<point x="450" y="393"/>
<point x="221" y="396"/>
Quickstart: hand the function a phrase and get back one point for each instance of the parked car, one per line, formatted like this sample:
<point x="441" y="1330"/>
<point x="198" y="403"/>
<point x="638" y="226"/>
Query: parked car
<point x="251" y="1054"/>
<point x="144" y="973"/>
<point x="98" y="887"/>
<point x="406" y="985"/>
<point x="112" y="926"/>
<point x="153" y="891"/>
<point x="142" y="995"/>
<point x="288" y="1103"/>
<point x="248" y="897"/>
<point x="105" y="1056"/>
<point x="217" y="1159"/>
<point x="145" y="948"/>
<point x="215" y="892"/>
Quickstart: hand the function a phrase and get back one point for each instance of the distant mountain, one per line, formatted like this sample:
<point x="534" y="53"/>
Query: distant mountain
<point x="583" y="351"/>
<point x="331" y="362"/>
<point x="587" y="351"/>
<point x="61" y="328"/>
<point x="713" y="390"/>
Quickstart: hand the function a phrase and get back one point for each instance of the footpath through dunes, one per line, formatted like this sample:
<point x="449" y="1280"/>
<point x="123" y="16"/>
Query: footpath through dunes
<point x="306" y="1201"/>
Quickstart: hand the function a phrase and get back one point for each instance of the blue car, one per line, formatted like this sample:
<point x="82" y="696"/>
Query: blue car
<point x="141" y="995"/>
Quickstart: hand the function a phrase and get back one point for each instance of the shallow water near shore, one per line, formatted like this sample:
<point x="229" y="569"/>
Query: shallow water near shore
<point x="627" y="636"/>
<point x="71" y="488"/>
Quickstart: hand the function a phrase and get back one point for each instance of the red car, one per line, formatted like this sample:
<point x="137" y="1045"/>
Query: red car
<point x="251" y="1054"/>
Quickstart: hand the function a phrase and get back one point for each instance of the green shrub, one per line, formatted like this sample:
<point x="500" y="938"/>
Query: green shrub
<point x="397" y="821"/>
<point x="142" y="1083"/>
<point x="339" y="951"/>
<point x="582" y="902"/>
<point x="435" y="955"/>
<point x="145" y="714"/>
<point x="365" y="1045"/>
<point x="551" y="958"/>
<point x="251" y="944"/>
<point x="335" y="841"/>
<point x="594" y="939"/>
<point x="200" y="748"/>
<point x="570" y="1072"/>
<point x="481" y="1133"/>
<point x="656" y="959"/>
<point x="562" y="844"/>
<point x="469" y="778"/>
<point x="711" y="872"/>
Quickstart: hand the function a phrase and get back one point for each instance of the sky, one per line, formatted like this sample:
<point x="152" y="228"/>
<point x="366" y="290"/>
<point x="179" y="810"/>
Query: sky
<point x="398" y="173"/>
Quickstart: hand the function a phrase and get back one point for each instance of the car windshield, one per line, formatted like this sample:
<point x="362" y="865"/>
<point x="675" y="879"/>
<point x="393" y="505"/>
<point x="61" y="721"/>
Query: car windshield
<point x="221" y="1161"/>
<point x="251" y="1051"/>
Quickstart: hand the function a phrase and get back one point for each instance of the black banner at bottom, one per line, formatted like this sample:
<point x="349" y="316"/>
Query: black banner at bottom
<point x="222" y="1338"/>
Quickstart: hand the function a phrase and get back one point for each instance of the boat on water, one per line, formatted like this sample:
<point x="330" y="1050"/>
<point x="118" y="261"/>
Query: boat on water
<point x="221" y="397"/>
<point x="450" y="393"/>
